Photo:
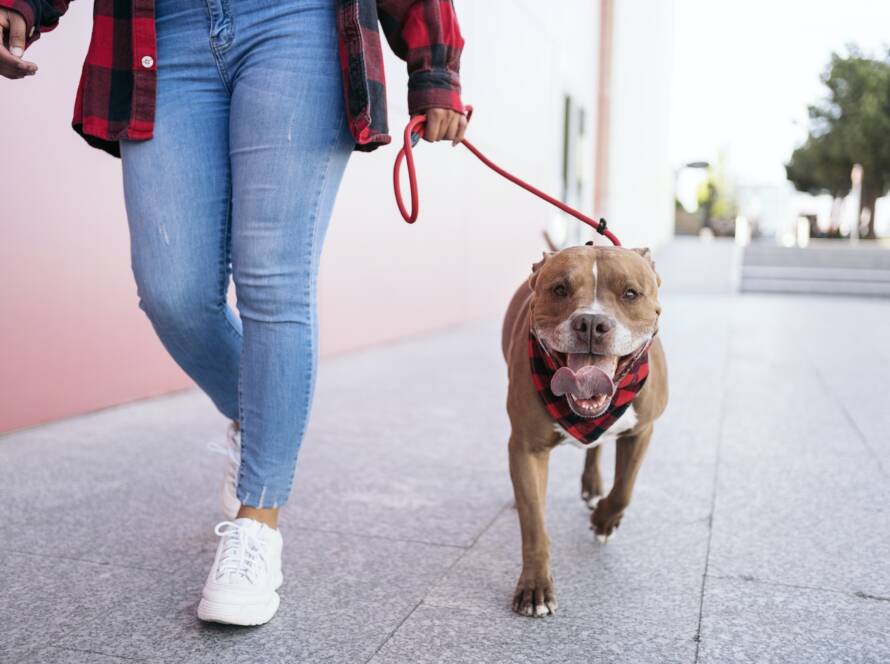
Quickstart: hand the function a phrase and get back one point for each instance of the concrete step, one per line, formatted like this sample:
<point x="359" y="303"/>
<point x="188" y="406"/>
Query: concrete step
<point x="835" y="274"/>
<point x="824" y="269"/>
<point x="821" y="255"/>
<point x="816" y="287"/>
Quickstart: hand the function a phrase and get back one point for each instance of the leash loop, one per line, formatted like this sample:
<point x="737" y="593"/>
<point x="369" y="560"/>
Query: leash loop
<point x="414" y="132"/>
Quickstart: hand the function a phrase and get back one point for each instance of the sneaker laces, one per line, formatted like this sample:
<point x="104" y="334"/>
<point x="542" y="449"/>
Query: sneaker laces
<point x="232" y="450"/>
<point x="227" y="451"/>
<point x="243" y="553"/>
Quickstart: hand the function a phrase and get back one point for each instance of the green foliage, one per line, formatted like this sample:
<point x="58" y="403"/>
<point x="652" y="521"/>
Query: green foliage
<point x="716" y="198"/>
<point x="850" y="125"/>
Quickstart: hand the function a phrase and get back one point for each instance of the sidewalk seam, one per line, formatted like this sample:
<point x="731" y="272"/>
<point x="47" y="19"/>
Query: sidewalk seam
<point x="387" y="538"/>
<point x="99" y="652"/>
<point x="437" y="581"/>
<point x="848" y="417"/>
<point x="858" y="594"/>
<point x="720" y="424"/>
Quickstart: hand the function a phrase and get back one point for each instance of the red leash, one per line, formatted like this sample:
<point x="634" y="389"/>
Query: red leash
<point x="415" y="129"/>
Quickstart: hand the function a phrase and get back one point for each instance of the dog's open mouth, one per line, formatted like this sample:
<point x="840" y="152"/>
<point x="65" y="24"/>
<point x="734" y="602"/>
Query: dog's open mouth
<point x="588" y="380"/>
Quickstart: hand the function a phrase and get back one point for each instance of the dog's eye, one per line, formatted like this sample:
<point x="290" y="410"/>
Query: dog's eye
<point x="560" y="290"/>
<point x="630" y="294"/>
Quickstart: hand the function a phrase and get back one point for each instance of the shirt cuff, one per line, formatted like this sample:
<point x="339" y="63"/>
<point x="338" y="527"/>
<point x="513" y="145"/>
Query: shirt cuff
<point x="434" y="88"/>
<point x="27" y="11"/>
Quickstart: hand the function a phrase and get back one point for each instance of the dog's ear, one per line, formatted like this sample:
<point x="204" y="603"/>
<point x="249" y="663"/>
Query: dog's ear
<point x="647" y="254"/>
<point x="536" y="268"/>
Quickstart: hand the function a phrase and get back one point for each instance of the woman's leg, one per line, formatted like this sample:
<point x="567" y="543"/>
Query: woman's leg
<point x="289" y="146"/>
<point x="177" y="192"/>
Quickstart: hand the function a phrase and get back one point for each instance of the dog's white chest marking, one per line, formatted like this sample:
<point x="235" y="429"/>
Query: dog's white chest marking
<point x="626" y="422"/>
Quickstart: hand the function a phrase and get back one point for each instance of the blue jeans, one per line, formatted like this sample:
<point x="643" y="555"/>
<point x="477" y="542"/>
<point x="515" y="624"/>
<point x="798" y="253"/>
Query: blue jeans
<point x="250" y="144"/>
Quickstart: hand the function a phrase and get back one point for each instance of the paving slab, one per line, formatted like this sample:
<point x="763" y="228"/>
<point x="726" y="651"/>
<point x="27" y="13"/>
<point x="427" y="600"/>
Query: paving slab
<point x="851" y="370"/>
<point x="745" y="622"/>
<point x="67" y="656"/>
<point x="800" y="499"/>
<point x="409" y="442"/>
<point x="803" y="522"/>
<point x="434" y="635"/>
<point x="94" y="487"/>
<point x="651" y="574"/>
<point x="342" y="597"/>
<point x="43" y="599"/>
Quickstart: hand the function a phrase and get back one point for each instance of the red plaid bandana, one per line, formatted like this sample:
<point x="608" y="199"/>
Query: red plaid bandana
<point x="586" y="430"/>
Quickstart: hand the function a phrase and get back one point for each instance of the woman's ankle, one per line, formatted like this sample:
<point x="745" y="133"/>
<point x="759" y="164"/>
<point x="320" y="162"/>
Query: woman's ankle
<point x="268" y="517"/>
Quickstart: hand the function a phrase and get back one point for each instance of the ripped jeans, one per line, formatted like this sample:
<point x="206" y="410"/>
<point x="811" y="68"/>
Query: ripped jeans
<point x="249" y="147"/>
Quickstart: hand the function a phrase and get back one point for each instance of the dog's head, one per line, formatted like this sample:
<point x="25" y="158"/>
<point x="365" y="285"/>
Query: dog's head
<point x="594" y="309"/>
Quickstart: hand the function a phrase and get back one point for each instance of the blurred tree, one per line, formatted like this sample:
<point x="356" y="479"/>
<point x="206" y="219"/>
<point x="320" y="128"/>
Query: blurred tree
<point x="850" y="125"/>
<point x="716" y="196"/>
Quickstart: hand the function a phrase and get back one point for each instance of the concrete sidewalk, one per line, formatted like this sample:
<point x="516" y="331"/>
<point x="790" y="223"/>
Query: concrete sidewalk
<point x="759" y="530"/>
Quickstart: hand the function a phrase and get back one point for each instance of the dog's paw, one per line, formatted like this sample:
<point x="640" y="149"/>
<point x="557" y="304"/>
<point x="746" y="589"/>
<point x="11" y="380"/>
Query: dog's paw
<point x="603" y="539"/>
<point x="604" y="522"/>
<point x="591" y="499"/>
<point x="534" y="596"/>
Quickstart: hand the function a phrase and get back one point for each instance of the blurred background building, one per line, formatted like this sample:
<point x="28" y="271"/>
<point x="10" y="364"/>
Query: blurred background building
<point x="572" y="95"/>
<point x="770" y="111"/>
<point x="781" y="139"/>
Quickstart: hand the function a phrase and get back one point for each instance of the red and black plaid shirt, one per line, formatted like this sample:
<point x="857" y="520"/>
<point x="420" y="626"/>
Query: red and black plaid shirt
<point x="116" y="96"/>
<point x="585" y="430"/>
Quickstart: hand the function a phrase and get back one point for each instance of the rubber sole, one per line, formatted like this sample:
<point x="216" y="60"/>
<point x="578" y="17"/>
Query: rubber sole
<point x="238" y="614"/>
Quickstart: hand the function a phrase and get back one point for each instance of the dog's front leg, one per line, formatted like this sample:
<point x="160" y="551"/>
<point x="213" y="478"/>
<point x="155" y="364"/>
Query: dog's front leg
<point x="534" y="594"/>
<point x="591" y="480"/>
<point x="629" y="453"/>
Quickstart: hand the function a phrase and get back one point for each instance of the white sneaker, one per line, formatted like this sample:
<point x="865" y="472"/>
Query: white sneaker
<point x="229" y="489"/>
<point x="240" y="589"/>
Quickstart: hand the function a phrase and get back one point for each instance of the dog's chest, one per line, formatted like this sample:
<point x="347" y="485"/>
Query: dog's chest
<point x="626" y="422"/>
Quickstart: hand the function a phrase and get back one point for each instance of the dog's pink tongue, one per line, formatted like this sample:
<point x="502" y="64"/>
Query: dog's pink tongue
<point x="585" y="376"/>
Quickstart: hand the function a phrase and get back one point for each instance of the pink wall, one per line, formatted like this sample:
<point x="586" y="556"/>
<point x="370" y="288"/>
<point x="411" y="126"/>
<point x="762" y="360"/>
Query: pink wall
<point x="71" y="336"/>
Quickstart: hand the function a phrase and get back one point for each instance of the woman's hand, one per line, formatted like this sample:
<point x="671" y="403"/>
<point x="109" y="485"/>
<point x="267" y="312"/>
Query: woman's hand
<point x="443" y="124"/>
<point x="12" y="46"/>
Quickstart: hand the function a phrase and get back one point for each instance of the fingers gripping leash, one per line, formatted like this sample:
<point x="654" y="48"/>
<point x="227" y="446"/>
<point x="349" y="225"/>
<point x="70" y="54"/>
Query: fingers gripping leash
<point x="414" y="132"/>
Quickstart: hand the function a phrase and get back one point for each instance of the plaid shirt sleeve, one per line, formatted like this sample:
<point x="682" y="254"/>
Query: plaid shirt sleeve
<point x="40" y="15"/>
<point x="425" y="34"/>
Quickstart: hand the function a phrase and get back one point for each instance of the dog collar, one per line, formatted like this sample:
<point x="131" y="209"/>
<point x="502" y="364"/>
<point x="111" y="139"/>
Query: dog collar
<point x="586" y="430"/>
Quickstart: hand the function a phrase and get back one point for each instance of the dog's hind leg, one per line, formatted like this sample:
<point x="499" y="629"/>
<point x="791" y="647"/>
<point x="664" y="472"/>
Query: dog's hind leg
<point x="591" y="480"/>
<point x="629" y="452"/>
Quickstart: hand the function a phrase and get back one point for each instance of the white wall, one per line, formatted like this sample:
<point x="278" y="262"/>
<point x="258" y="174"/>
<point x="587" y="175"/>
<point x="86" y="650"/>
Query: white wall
<point x="639" y="205"/>
<point x="477" y="234"/>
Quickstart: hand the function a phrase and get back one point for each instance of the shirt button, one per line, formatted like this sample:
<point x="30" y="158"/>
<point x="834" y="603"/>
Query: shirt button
<point x="147" y="61"/>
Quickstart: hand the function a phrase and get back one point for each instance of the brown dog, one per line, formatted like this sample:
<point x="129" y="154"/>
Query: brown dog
<point x="584" y="366"/>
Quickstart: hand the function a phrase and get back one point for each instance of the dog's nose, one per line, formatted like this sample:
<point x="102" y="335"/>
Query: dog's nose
<point x="592" y="327"/>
